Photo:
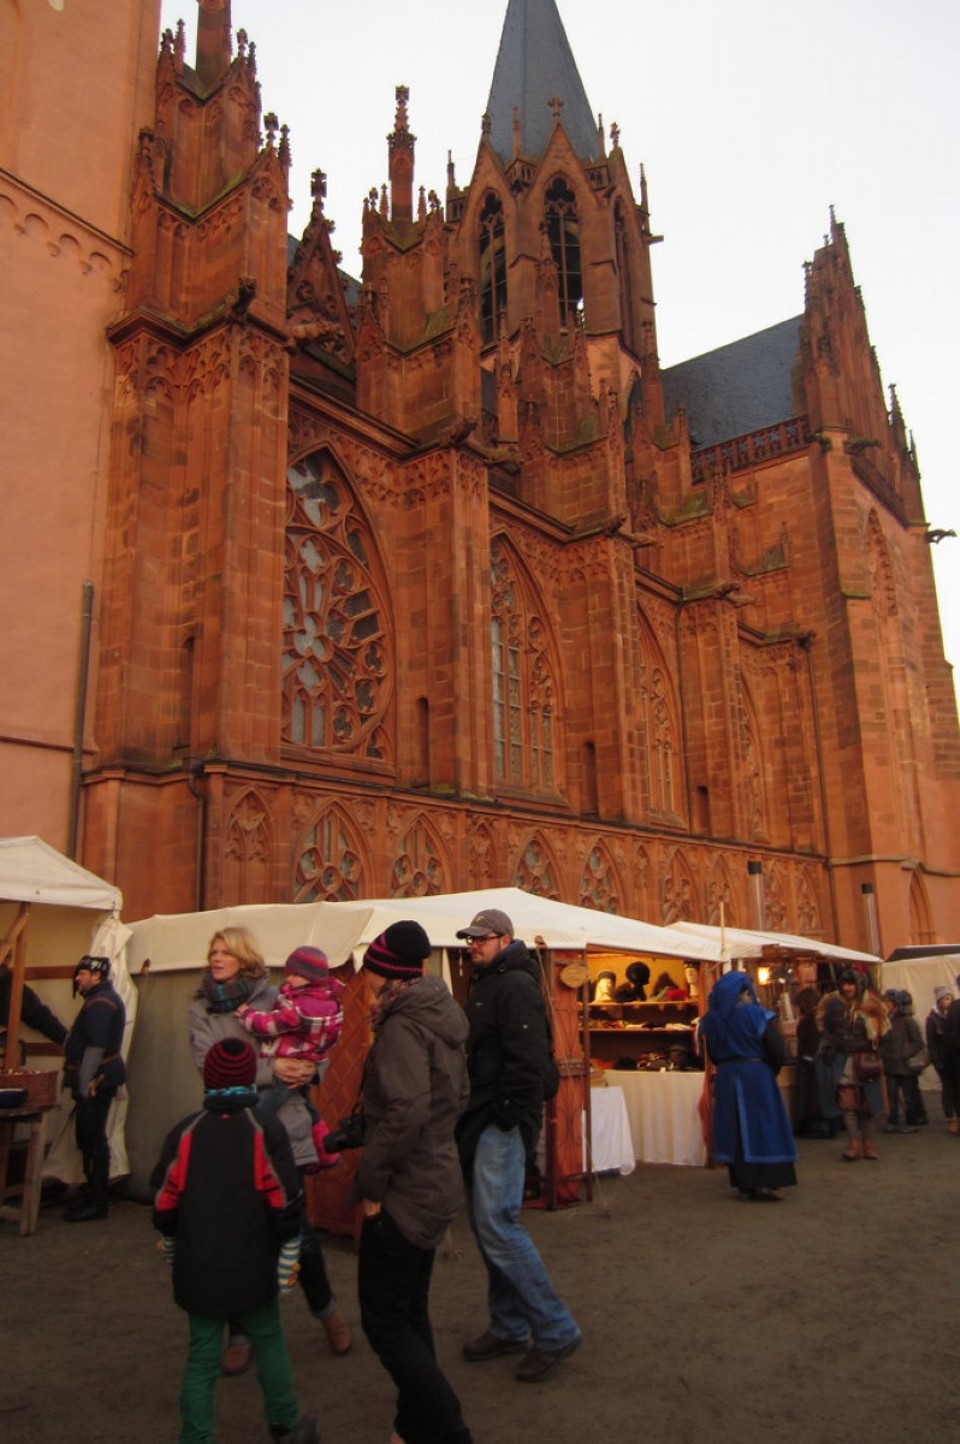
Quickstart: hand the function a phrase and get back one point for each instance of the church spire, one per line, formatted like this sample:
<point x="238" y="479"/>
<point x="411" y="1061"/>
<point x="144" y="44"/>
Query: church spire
<point x="535" y="68"/>
<point x="214" y="47"/>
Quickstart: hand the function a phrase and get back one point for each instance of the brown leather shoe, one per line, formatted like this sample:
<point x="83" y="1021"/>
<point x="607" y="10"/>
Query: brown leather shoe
<point x="338" y="1332"/>
<point x="236" y="1357"/>
<point x="537" y="1363"/>
<point x="491" y="1346"/>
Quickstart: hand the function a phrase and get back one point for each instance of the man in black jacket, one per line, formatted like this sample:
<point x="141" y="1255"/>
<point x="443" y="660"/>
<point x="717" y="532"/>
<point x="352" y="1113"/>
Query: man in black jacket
<point x="93" y="1071"/>
<point x="33" y="1011"/>
<point x="509" y="1061"/>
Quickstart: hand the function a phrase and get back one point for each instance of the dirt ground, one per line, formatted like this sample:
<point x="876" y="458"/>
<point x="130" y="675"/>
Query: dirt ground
<point x="827" y="1318"/>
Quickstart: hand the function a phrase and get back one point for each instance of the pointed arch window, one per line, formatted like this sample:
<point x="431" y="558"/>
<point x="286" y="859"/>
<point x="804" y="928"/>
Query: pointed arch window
<point x="625" y="276"/>
<point x="328" y="868"/>
<point x="658" y="727"/>
<point x="337" y="668"/>
<point x="524" y="700"/>
<point x="563" y="230"/>
<point x="493" y="267"/>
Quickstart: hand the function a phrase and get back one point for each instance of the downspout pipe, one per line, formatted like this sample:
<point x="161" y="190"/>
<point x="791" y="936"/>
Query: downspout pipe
<point x="79" y="717"/>
<point x="194" y="781"/>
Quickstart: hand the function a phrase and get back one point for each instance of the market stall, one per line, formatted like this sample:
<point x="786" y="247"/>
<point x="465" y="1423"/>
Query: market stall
<point x="167" y="953"/>
<point x="52" y="911"/>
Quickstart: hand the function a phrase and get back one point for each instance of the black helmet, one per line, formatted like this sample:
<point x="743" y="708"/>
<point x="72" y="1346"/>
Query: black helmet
<point x="88" y="964"/>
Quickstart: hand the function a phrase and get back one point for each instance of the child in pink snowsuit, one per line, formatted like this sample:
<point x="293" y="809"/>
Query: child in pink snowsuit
<point x="304" y="1023"/>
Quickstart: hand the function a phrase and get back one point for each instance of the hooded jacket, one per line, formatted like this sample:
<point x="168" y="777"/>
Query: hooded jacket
<point x="508" y="1050"/>
<point x="414" y="1088"/>
<point x="228" y="1192"/>
<point x="902" y="1042"/>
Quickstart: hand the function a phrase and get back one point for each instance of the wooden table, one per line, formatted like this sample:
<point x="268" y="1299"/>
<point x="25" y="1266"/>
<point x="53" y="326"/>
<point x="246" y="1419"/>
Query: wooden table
<point x="28" y="1192"/>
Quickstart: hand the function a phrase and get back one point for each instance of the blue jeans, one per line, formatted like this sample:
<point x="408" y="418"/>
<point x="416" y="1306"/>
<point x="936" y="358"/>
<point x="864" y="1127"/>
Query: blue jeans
<point x="520" y="1297"/>
<point x="272" y="1099"/>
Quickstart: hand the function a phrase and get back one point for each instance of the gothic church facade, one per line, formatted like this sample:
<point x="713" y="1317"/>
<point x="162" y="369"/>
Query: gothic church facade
<point x="435" y="579"/>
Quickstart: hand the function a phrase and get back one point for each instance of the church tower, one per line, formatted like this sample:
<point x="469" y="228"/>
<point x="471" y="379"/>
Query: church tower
<point x="188" y="685"/>
<point x="436" y="578"/>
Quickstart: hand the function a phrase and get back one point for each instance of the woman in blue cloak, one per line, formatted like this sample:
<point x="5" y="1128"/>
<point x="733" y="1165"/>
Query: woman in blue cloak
<point x="751" y="1130"/>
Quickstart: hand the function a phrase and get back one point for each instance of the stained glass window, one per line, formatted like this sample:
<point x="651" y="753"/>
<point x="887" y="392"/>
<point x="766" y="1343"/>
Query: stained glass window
<point x="337" y="670"/>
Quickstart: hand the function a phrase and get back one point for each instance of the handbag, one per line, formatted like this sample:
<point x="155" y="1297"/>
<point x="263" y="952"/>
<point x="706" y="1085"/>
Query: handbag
<point x="869" y="1066"/>
<point x="919" y="1061"/>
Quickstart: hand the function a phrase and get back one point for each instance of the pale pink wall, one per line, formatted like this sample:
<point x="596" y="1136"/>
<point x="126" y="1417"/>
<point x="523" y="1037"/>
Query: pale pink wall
<point x="76" y="86"/>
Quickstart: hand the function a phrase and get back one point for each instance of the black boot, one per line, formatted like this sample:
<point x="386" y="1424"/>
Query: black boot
<point x="93" y="1204"/>
<point x="303" y="1432"/>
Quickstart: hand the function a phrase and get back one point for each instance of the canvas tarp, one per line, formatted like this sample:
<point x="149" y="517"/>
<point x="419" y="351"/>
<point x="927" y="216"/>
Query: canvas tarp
<point x="31" y="871"/>
<point x="71" y="912"/>
<point x="919" y="976"/>
<point x="733" y="944"/>
<point x="343" y="929"/>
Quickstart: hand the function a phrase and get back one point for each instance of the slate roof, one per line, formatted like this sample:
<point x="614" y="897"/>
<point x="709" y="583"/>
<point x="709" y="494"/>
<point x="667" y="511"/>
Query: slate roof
<point x="534" y="64"/>
<point x="737" y="388"/>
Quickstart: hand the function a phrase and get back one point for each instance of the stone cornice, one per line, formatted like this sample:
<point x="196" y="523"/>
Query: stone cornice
<point x="55" y="208"/>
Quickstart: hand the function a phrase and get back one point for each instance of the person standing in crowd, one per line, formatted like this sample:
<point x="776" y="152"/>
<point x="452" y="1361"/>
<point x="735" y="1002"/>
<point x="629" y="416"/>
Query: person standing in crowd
<point x="936" y="1018"/>
<point x="93" y="1071"/>
<point x="236" y="973"/>
<point x="33" y="1011"/>
<point x="902" y="1049"/>
<point x="951" y="1047"/>
<point x="509" y="1059"/>
<point x="810" y="1120"/>
<point x="408" y="1182"/>
<point x="852" y="1021"/>
<point x="229" y="1207"/>
<point x="751" y="1130"/>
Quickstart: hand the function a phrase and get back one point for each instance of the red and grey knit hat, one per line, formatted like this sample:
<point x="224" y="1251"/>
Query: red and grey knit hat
<point x="400" y="952"/>
<point x="231" y="1063"/>
<point x="309" y="963"/>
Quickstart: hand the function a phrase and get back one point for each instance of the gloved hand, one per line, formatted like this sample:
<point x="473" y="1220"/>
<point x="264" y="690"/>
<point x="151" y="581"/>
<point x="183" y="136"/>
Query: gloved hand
<point x="288" y="1264"/>
<point x="168" y="1247"/>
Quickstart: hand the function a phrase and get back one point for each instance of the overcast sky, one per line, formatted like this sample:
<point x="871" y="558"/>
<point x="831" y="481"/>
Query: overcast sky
<point x="751" y="117"/>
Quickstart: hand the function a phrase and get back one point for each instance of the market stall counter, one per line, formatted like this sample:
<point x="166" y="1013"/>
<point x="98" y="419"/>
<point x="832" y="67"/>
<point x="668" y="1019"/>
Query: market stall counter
<point x="611" y="1139"/>
<point x="663" y="1109"/>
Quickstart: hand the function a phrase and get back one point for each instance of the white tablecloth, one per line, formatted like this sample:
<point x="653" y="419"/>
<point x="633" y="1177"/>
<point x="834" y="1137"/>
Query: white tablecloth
<point x="664" y="1121"/>
<point x="611" y="1140"/>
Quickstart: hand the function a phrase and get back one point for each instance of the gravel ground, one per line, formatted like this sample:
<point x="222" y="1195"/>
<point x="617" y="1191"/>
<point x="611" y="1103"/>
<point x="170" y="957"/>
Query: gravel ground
<point x="823" y="1318"/>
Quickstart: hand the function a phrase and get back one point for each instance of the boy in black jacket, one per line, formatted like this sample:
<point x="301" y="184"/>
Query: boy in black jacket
<point x="229" y="1207"/>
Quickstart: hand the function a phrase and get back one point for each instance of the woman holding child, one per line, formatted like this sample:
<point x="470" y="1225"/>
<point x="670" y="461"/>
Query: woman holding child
<point x="236" y="979"/>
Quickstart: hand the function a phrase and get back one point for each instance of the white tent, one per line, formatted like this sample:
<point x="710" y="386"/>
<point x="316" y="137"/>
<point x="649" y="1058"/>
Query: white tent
<point x="343" y="929"/>
<point x="733" y="944"/>
<point x="166" y="953"/>
<point x="52" y="911"/>
<point x="919" y="976"/>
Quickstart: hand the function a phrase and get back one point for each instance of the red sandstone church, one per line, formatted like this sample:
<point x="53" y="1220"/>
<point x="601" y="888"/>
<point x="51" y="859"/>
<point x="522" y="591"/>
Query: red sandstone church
<point x="318" y="587"/>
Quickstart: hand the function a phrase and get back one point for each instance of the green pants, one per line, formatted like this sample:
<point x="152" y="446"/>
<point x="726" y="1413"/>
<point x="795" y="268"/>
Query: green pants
<point x="262" y="1328"/>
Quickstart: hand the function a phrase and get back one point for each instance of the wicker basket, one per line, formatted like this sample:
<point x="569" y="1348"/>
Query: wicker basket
<point x="41" y="1087"/>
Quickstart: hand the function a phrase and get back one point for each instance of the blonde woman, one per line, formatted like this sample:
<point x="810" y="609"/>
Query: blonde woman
<point x="236" y="974"/>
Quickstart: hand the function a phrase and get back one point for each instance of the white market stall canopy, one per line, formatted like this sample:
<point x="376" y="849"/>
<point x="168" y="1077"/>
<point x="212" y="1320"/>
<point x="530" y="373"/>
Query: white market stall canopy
<point x="31" y="871"/>
<point x="52" y="911"/>
<point x="343" y="929"/>
<point x="919" y="974"/>
<point x="734" y="943"/>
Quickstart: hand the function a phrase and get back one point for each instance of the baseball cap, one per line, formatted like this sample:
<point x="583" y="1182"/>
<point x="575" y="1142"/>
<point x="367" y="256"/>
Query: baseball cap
<point x="489" y="921"/>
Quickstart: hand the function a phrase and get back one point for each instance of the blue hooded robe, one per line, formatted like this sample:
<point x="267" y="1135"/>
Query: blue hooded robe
<point x="747" y="1102"/>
